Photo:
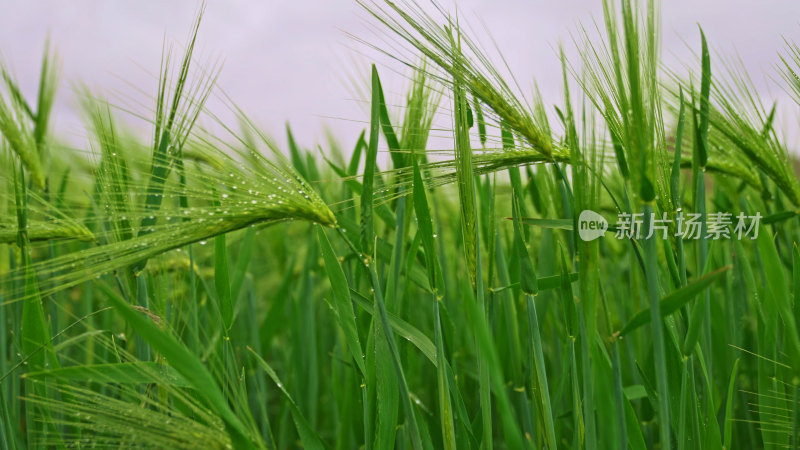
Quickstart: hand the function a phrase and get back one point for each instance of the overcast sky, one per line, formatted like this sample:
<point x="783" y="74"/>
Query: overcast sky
<point x="291" y="60"/>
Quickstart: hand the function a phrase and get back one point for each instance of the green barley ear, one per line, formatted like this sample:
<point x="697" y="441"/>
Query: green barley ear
<point x="177" y="109"/>
<point x="48" y="86"/>
<point x="422" y="101"/>
<point x="742" y="141"/>
<point x="110" y="421"/>
<point x="419" y="29"/>
<point x="123" y="413"/>
<point x="623" y="83"/>
<point x="44" y="221"/>
<point x="15" y="117"/>
<point x="113" y="175"/>
<point x="39" y="230"/>
<point x="24" y="128"/>
<point x="465" y="177"/>
<point x="302" y="200"/>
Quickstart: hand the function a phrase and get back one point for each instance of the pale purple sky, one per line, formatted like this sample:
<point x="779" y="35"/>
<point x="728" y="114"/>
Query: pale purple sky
<point x="291" y="60"/>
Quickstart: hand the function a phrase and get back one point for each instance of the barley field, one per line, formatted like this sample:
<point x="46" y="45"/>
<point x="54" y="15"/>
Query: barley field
<point x="478" y="270"/>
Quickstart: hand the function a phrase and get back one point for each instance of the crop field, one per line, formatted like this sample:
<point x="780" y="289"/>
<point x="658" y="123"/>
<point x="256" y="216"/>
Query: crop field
<point x="478" y="270"/>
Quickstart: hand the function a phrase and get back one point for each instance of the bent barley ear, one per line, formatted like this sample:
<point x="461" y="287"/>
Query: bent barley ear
<point x="262" y="193"/>
<point x="46" y="231"/>
<point x="44" y="222"/>
<point x="470" y="67"/>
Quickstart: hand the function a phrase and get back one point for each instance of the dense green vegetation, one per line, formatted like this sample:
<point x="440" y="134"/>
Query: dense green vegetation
<point x="212" y="290"/>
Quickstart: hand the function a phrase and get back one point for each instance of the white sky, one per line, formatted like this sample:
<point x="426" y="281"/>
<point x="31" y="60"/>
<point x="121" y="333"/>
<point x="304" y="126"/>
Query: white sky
<point x="292" y="61"/>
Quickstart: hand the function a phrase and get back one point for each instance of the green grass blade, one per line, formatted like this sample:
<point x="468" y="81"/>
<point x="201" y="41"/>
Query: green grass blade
<point x="528" y="278"/>
<point x="307" y="434"/>
<point x="343" y="302"/>
<point x="405" y="330"/>
<point x="657" y="324"/>
<point x="434" y="276"/>
<point x="222" y="282"/>
<point x="367" y="194"/>
<point x="294" y="152"/>
<point x="486" y="347"/>
<point x="728" y="425"/>
<point x="777" y="286"/>
<point x="355" y="158"/>
<point x="242" y="262"/>
<point x="796" y="280"/>
<point x="705" y="92"/>
<point x="543" y="392"/>
<point x="411" y="420"/>
<point x="675" y="300"/>
<point x="395" y="152"/>
<point x="426" y="233"/>
<point x="7" y="436"/>
<point x="530" y="288"/>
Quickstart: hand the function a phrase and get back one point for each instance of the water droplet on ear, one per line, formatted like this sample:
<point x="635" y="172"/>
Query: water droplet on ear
<point x="203" y="242"/>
